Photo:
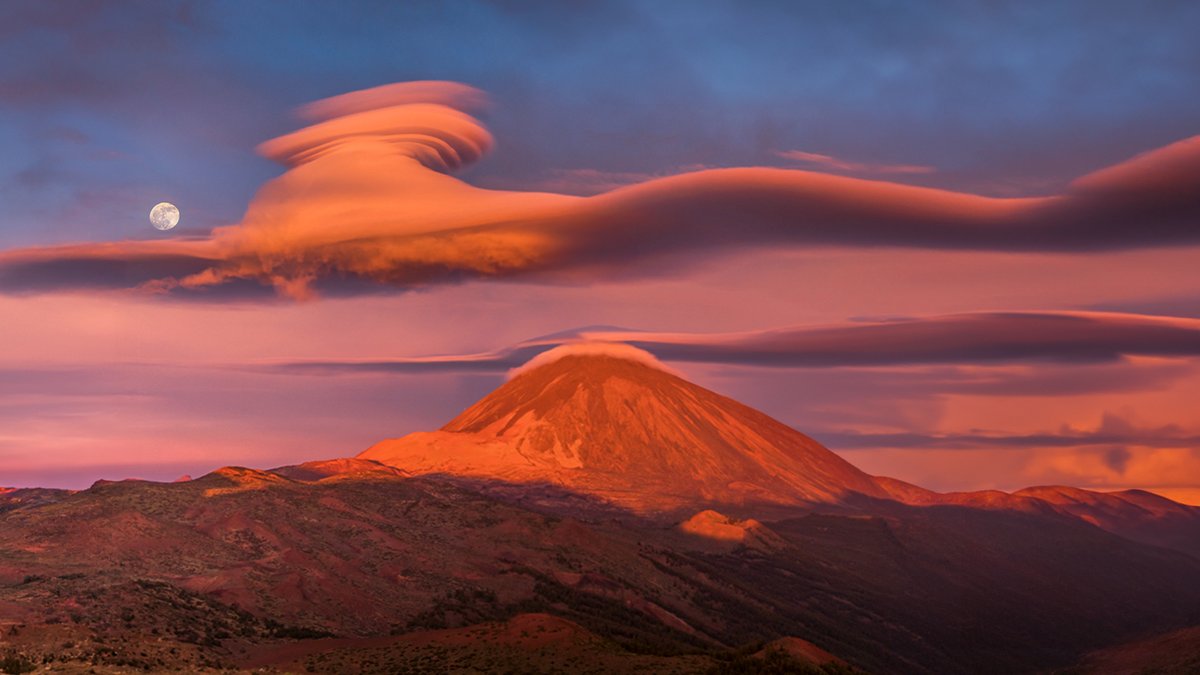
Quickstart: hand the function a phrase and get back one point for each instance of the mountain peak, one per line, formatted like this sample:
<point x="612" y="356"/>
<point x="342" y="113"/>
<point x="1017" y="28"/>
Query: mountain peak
<point x="617" y="424"/>
<point x="546" y="383"/>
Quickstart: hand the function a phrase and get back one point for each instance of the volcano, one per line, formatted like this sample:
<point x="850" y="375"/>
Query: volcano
<point x="495" y="538"/>
<point x="633" y="433"/>
<point x="612" y="423"/>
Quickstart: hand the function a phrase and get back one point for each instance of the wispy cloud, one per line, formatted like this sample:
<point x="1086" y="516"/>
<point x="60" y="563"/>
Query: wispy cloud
<point x="847" y="166"/>
<point x="1114" y="432"/>
<point x="985" y="337"/>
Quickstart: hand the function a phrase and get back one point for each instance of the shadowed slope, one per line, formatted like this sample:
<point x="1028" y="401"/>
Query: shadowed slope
<point x="239" y="562"/>
<point x="1134" y="514"/>
<point x="1175" y="653"/>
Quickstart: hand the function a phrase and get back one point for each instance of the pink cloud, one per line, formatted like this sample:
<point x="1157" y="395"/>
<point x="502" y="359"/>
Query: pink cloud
<point x="438" y="92"/>
<point x="970" y="338"/>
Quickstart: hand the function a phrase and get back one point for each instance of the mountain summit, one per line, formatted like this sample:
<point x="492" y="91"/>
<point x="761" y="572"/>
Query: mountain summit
<point x="622" y="428"/>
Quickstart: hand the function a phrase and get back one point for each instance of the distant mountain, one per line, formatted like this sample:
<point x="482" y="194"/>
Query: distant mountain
<point x="12" y="499"/>
<point x="1134" y="514"/>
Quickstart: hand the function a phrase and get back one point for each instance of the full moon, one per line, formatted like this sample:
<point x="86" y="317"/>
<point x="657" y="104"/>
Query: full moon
<point x="164" y="216"/>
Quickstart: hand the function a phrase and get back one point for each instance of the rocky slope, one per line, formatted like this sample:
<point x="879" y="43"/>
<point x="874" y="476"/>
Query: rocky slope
<point x="217" y="571"/>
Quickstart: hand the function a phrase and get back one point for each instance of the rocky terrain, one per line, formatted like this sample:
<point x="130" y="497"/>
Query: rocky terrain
<point x="592" y="515"/>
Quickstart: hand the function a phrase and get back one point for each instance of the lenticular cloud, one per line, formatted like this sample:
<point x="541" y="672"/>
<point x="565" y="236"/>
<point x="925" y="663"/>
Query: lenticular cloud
<point x="368" y="199"/>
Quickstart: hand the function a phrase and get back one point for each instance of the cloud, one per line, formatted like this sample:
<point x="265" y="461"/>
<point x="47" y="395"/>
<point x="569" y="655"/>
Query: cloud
<point x="450" y="94"/>
<point x="105" y="265"/>
<point x="1118" y="453"/>
<point x="587" y="181"/>
<point x="1117" y="458"/>
<point x="830" y="162"/>
<point x="1169" y="471"/>
<point x="367" y="197"/>
<point x="63" y="44"/>
<point x="956" y="338"/>
<point x="984" y="337"/>
<point x="613" y="349"/>
<point x="967" y="441"/>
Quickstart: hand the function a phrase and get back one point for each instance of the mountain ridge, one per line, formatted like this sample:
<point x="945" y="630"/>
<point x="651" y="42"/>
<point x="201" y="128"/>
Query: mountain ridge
<point x="554" y="425"/>
<point x="490" y="521"/>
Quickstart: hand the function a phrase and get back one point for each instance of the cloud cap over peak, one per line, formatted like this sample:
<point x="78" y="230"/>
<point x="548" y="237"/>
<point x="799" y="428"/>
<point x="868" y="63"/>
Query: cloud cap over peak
<point x="616" y="350"/>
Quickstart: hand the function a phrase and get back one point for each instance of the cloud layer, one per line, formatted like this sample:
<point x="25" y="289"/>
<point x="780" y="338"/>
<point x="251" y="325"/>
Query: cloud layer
<point x="367" y="197"/>
<point x="972" y="338"/>
<point x="847" y="166"/>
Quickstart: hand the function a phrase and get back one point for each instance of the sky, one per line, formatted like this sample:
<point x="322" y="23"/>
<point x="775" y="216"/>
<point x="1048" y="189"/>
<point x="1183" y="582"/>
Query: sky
<point x="955" y="242"/>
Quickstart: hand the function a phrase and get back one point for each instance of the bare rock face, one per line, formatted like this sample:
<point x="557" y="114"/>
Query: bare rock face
<point x="631" y="433"/>
<point x="720" y="529"/>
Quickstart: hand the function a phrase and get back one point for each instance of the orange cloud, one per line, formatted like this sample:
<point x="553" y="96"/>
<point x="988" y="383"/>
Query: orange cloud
<point x="450" y="94"/>
<point x="367" y="199"/>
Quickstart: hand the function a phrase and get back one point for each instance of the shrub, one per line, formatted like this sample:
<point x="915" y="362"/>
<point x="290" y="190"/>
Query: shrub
<point x="15" y="665"/>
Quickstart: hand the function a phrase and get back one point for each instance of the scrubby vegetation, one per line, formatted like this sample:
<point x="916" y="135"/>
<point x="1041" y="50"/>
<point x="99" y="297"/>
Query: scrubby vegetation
<point x="14" y="664"/>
